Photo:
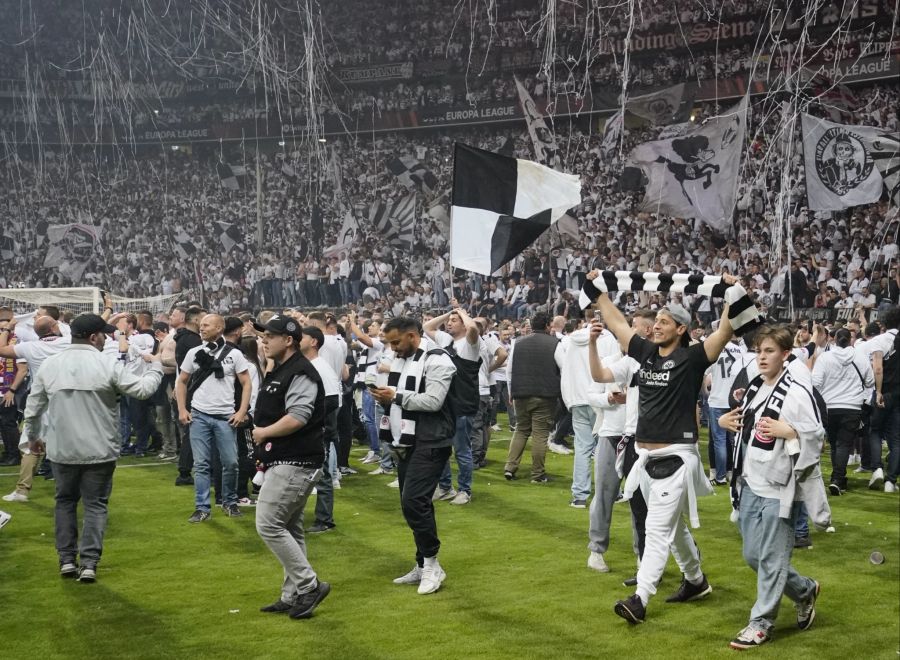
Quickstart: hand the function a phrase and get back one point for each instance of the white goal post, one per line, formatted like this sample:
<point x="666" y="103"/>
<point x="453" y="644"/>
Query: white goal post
<point x="83" y="299"/>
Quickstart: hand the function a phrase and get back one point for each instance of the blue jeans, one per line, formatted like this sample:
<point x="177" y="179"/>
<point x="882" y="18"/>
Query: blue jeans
<point x="583" y="418"/>
<point x="462" y="447"/>
<point x="768" y="544"/>
<point x="721" y="440"/>
<point x="124" y="422"/>
<point x="206" y="430"/>
<point x="801" y="519"/>
<point x="370" y="419"/>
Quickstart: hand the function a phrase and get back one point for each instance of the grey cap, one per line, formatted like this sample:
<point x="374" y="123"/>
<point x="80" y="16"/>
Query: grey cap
<point x="679" y="313"/>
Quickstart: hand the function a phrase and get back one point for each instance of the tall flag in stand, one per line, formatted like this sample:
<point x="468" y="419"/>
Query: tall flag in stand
<point x="694" y="175"/>
<point x="666" y="106"/>
<point x="501" y="205"/>
<point x="848" y="165"/>
<point x="838" y="100"/>
<point x="232" y="177"/>
<point x="184" y="245"/>
<point x="546" y="150"/>
<point x="71" y="248"/>
<point x="395" y="221"/>
<point x="412" y="174"/>
<point x="346" y="238"/>
<point x="612" y="135"/>
<point x="229" y="235"/>
<point x="8" y="247"/>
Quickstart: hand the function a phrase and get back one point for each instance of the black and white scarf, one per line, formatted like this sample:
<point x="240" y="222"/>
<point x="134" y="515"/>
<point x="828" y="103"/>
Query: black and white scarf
<point x="742" y="313"/>
<point x="771" y="407"/>
<point x="363" y="363"/>
<point x="408" y="372"/>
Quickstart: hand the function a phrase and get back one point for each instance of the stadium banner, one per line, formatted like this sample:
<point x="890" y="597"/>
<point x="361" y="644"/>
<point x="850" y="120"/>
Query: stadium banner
<point x="376" y="72"/>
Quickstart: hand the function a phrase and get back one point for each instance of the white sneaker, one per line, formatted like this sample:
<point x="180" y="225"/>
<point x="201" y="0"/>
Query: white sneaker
<point x="495" y="428"/>
<point x="413" y="577"/>
<point x="853" y="460"/>
<point x="859" y="469"/>
<point x="441" y="494"/>
<point x="462" y="497"/>
<point x="15" y="497"/>
<point x="4" y="518"/>
<point x="369" y="458"/>
<point x="381" y="470"/>
<point x="432" y="576"/>
<point x="877" y="479"/>
<point x="394" y="484"/>
<point x="712" y="474"/>
<point x="336" y="484"/>
<point x="888" y="488"/>
<point x="596" y="562"/>
<point x="558" y="449"/>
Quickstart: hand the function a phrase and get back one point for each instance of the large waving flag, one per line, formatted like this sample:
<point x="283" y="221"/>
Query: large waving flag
<point x="694" y="175"/>
<point x="546" y="150"/>
<point x="501" y="205"/>
<point x="395" y="222"/>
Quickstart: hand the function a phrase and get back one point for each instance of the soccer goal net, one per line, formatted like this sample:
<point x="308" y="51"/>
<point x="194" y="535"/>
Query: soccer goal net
<point x="83" y="299"/>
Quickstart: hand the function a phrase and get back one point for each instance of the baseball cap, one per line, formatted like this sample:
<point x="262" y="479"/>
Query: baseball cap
<point x="678" y="313"/>
<point x="280" y="325"/>
<point x="84" y="325"/>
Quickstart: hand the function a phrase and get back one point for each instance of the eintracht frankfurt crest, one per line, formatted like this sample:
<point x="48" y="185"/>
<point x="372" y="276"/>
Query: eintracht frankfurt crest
<point x="842" y="160"/>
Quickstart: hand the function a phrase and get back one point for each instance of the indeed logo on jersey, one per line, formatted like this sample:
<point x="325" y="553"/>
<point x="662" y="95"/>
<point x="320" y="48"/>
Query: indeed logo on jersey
<point x="658" y="378"/>
<point x="655" y="378"/>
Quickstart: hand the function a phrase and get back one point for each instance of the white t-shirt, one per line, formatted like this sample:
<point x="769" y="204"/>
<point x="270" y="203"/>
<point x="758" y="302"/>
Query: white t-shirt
<point x="723" y="372"/>
<point x="215" y="396"/>
<point x="489" y="346"/>
<point x="375" y="351"/>
<point x="463" y="348"/>
<point x="35" y="352"/>
<point x="331" y="383"/>
<point x="334" y="350"/>
<point x="883" y="342"/>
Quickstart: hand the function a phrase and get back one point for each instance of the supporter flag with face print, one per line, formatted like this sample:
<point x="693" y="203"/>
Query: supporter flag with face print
<point x="694" y="175"/>
<point x="546" y="149"/>
<point x="501" y="205"/>
<point x="666" y="106"/>
<point x="848" y="165"/>
<point x="71" y="248"/>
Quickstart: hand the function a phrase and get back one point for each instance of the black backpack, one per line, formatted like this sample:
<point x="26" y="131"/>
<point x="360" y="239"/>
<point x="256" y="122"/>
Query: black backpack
<point x="463" y="395"/>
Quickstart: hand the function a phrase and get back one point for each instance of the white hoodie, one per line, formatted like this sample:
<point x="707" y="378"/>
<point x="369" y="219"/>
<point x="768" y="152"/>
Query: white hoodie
<point x="841" y="385"/>
<point x="575" y="376"/>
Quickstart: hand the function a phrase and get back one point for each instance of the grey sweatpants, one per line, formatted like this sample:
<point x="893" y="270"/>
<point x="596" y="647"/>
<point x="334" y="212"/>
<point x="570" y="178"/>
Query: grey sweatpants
<point x="606" y="488"/>
<point x="279" y="523"/>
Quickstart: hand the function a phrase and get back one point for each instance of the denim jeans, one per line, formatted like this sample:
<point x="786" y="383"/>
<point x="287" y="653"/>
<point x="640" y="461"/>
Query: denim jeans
<point x="801" y="519"/>
<point x="206" y="431"/>
<point x="462" y="447"/>
<point x="721" y="441"/>
<point x="583" y="418"/>
<point x="92" y="484"/>
<point x="768" y="544"/>
<point x="325" y="486"/>
<point x="279" y="523"/>
<point x="124" y="421"/>
<point x="371" y="420"/>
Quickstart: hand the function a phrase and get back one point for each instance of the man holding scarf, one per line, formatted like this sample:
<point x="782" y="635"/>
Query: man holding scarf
<point x="419" y="424"/>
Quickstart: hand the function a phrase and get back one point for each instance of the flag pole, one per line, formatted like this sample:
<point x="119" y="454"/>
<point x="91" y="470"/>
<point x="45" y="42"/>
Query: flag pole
<point x="259" y="217"/>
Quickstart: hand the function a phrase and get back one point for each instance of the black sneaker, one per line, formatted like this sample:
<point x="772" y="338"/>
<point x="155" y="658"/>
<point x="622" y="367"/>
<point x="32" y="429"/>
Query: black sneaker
<point x="278" y="607"/>
<point x="631" y="609"/>
<point x="689" y="591"/>
<point x="68" y="569"/>
<point x="806" y="611"/>
<point x="509" y="476"/>
<point x="308" y="602"/>
<point x="87" y="574"/>
<point x="834" y="490"/>
<point x="318" y="528"/>
<point x="802" y="542"/>
<point x="184" y="480"/>
<point x="199" y="516"/>
<point x="232" y="510"/>
<point x="630" y="582"/>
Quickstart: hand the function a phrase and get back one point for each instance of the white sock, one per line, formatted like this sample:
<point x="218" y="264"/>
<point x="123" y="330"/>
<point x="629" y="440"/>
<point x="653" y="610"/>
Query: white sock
<point x="431" y="561"/>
